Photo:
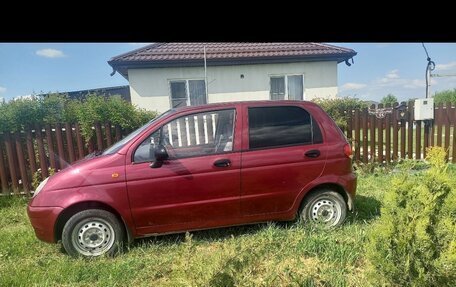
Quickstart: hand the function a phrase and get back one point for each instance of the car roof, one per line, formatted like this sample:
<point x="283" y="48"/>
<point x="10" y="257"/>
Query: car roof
<point x="237" y="103"/>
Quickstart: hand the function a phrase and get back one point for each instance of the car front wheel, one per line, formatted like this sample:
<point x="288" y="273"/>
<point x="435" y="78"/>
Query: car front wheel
<point x="92" y="233"/>
<point x="325" y="207"/>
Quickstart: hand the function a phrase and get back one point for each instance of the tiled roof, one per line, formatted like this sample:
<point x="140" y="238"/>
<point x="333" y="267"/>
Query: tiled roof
<point x="184" y="54"/>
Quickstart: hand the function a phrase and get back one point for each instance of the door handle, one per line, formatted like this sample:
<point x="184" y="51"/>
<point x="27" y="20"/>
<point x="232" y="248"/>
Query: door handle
<point x="312" y="153"/>
<point x="222" y="163"/>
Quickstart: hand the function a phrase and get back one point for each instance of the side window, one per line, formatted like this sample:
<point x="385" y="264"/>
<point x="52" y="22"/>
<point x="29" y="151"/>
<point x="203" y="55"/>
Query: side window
<point x="281" y="126"/>
<point x="191" y="135"/>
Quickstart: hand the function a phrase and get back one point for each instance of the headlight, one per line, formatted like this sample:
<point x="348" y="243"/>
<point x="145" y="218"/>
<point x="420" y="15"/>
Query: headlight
<point x="40" y="187"/>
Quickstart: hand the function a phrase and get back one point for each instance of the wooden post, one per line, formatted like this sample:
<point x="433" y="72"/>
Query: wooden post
<point x="50" y="145"/>
<point x="11" y="163"/>
<point x="357" y="136"/>
<point x="79" y="141"/>
<point x="365" y="117"/>
<point x="447" y="127"/>
<point x="21" y="160"/>
<point x="410" y="130"/>
<point x="41" y="152"/>
<point x="388" y="136"/>
<point x="99" y="137"/>
<point x="395" y="131"/>
<point x="380" y="136"/>
<point x="3" y="177"/>
<point x="439" y="118"/>
<point x="30" y="149"/>
<point x="372" y="135"/>
<point x="69" y="139"/>
<point x="60" y="150"/>
<point x="108" y="134"/>
<point x="418" y="140"/>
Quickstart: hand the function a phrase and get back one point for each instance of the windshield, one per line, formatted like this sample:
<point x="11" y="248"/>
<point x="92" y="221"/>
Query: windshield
<point x="118" y="145"/>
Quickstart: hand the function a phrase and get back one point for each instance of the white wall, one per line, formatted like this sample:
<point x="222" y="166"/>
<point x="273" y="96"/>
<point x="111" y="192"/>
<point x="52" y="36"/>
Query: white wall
<point x="149" y="88"/>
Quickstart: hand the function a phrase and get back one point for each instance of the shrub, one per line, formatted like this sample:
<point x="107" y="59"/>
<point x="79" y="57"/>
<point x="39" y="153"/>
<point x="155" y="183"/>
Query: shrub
<point x="414" y="241"/>
<point x="336" y="108"/>
<point x="445" y="97"/>
<point x="388" y="99"/>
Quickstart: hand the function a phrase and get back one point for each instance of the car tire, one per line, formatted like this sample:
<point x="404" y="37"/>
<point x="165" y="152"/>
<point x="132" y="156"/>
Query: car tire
<point x="325" y="207"/>
<point x="92" y="233"/>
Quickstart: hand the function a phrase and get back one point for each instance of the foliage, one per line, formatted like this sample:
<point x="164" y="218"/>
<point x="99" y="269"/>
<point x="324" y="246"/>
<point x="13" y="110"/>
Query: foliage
<point x="388" y="99"/>
<point x="336" y="108"/>
<point x="56" y="108"/>
<point x="414" y="241"/>
<point x="37" y="178"/>
<point x="443" y="97"/>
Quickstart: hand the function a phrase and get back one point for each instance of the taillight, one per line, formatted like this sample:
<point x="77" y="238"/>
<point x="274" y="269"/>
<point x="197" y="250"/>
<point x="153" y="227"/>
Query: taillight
<point x="348" y="151"/>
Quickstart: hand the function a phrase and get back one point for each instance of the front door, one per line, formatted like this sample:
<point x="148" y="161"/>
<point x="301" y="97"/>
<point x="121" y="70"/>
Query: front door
<point x="198" y="186"/>
<point x="283" y="152"/>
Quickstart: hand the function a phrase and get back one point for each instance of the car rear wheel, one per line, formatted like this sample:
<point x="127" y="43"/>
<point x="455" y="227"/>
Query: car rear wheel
<point x="92" y="233"/>
<point x="325" y="207"/>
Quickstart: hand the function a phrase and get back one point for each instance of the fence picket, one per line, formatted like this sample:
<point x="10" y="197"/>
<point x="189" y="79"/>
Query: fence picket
<point x="3" y="176"/>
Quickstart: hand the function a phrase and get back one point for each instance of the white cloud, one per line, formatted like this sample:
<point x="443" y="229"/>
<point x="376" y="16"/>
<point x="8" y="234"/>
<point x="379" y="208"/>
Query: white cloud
<point x="447" y="66"/>
<point x="393" y="74"/>
<point x="50" y="53"/>
<point x="352" y="86"/>
<point x="2" y="90"/>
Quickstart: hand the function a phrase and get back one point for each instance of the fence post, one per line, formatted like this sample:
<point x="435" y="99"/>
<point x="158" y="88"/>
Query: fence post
<point x="388" y="136"/>
<point x="395" y="132"/>
<point x="447" y="128"/>
<point x="365" y="118"/>
<point x="372" y="135"/>
<point x="79" y="141"/>
<point x="11" y="163"/>
<point x="41" y="152"/>
<point x="380" y="136"/>
<point x="418" y="140"/>
<point x="99" y="137"/>
<point x="108" y="134"/>
<point x="357" y="136"/>
<point x="50" y="145"/>
<point x="61" y="151"/>
<point x="439" y="119"/>
<point x="30" y="149"/>
<point x="21" y="160"/>
<point x="410" y="130"/>
<point x="403" y="133"/>
<point x="69" y="139"/>
<point x="3" y="177"/>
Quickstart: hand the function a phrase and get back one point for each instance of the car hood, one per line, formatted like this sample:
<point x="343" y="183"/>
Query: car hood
<point x="89" y="171"/>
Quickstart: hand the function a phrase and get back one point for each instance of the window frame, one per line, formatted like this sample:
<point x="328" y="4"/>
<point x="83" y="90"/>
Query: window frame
<point x="312" y="122"/>
<point x="285" y="76"/>
<point x="187" y="90"/>
<point x="160" y="129"/>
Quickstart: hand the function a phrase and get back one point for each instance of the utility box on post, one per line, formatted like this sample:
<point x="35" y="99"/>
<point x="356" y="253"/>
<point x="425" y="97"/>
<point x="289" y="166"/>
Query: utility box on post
<point x="424" y="109"/>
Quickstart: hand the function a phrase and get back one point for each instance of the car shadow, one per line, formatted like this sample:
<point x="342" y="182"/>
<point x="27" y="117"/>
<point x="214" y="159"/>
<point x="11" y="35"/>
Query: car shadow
<point x="366" y="209"/>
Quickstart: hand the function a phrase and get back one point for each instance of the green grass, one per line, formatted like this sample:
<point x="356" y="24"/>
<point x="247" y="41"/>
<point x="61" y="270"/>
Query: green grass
<point x="274" y="254"/>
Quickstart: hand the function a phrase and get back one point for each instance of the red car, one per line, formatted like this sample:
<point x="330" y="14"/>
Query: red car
<point x="201" y="167"/>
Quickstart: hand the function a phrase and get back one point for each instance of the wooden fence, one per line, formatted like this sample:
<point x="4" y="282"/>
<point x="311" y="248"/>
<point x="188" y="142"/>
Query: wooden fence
<point x="373" y="139"/>
<point x="397" y="136"/>
<point x="38" y="148"/>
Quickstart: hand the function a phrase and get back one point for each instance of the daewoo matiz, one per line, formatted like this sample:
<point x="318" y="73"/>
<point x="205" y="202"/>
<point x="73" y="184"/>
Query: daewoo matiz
<point x="201" y="167"/>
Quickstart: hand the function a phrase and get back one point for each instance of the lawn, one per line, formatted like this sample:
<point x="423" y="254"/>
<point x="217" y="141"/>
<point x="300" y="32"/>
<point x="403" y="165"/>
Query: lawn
<point x="270" y="254"/>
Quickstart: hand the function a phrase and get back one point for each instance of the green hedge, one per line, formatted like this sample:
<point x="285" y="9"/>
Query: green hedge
<point x="336" y="108"/>
<point x="56" y="108"/>
<point x="445" y="97"/>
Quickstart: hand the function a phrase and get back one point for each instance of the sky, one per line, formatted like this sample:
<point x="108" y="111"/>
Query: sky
<point x="378" y="69"/>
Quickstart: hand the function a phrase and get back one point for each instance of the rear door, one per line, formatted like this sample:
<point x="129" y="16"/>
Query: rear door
<point x="283" y="151"/>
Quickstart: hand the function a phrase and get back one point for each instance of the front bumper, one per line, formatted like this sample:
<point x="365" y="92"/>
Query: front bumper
<point x="43" y="221"/>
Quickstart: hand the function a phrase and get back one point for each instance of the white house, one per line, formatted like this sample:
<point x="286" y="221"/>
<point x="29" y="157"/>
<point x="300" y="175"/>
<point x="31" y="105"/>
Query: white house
<point x="166" y="75"/>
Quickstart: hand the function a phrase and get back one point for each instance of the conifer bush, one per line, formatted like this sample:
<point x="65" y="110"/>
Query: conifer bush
<point x="414" y="241"/>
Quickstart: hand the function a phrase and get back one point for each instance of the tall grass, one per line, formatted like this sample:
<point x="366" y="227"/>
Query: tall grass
<point x="270" y="254"/>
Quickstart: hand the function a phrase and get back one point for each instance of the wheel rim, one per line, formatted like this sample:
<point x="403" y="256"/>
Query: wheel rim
<point x="326" y="211"/>
<point x="93" y="237"/>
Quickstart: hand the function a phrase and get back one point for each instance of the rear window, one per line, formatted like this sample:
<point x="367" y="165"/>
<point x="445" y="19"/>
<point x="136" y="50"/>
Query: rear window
<point x="281" y="126"/>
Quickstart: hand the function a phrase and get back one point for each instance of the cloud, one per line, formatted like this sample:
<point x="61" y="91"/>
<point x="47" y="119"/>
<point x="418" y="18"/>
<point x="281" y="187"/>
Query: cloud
<point x="2" y="90"/>
<point x="393" y="74"/>
<point x="447" y="66"/>
<point x="50" y="53"/>
<point x="352" y="86"/>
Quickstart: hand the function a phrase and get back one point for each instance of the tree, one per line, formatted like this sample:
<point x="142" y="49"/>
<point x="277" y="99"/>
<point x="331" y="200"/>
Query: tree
<point x="389" y="99"/>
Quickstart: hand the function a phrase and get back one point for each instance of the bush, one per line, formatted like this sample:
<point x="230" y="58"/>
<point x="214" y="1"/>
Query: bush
<point x="414" y="241"/>
<point x="388" y="99"/>
<point x="56" y="108"/>
<point x="336" y="108"/>
<point x="445" y="97"/>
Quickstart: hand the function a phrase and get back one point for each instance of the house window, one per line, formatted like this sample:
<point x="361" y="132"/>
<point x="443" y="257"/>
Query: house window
<point x="188" y="93"/>
<point x="287" y="87"/>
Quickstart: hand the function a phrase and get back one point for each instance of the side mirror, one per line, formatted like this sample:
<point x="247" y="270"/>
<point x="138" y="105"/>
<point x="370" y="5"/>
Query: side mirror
<point x="160" y="156"/>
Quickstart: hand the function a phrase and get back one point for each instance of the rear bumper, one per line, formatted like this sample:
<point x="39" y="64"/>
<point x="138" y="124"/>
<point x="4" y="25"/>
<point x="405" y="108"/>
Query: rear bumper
<point x="43" y="221"/>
